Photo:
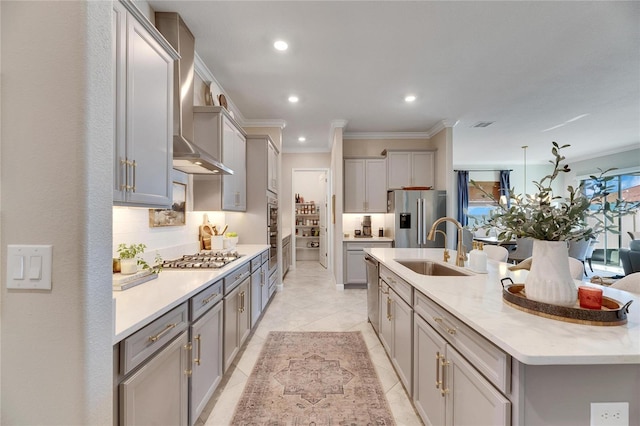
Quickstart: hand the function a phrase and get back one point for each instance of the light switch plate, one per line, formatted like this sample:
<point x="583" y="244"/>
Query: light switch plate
<point x="29" y="267"/>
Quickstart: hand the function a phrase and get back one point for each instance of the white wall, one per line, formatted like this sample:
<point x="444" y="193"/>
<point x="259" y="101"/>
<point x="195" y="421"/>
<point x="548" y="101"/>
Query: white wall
<point x="56" y="179"/>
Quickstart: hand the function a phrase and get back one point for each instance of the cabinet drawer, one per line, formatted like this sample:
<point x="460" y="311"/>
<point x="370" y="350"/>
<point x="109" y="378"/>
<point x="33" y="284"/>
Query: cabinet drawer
<point x="256" y="262"/>
<point x="404" y="289"/>
<point x="492" y="362"/>
<point x="234" y="278"/>
<point x="265" y="256"/>
<point x="145" y="342"/>
<point x="362" y="246"/>
<point x="206" y="299"/>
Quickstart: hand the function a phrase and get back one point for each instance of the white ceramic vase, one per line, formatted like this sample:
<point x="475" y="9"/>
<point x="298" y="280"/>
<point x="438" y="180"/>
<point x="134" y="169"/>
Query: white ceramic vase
<point x="549" y="279"/>
<point x="128" y="266"/>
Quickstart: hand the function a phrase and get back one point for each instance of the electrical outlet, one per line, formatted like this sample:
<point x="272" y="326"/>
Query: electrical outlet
<point x="609" y="414"/>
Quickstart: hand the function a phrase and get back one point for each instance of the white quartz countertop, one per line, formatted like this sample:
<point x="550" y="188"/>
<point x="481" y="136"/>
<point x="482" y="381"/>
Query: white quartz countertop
<point x="138" y="306"/>
<point x="352" y="239"/>
<point x="531" y="339"/>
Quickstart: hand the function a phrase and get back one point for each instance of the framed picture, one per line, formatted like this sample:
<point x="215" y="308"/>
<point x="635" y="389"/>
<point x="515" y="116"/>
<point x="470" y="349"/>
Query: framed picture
<point x="176" y="215"/>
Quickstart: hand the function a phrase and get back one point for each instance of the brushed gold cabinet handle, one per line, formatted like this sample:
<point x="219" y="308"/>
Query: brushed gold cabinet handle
<point x="197" y="358"/>
<point x="438" y="370"/>
<point x="388" y="308"/>
<point x="210" y="298"/>
<point x="440" y="321"/>
<point x="133" y="166"/>
<point x="163" y="332"/>
<point x="444" y="364"/>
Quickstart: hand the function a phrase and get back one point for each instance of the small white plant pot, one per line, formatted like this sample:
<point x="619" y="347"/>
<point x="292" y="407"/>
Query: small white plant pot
<point x="230" y="242"/>
<point x="128" y="266"/>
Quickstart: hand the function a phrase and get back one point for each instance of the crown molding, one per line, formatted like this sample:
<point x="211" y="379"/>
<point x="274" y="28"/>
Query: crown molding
<point x="205" y="74"/>
<point x="281" y="124"/>
<point x="335" y="124"/>
<point x="386" y="135"/>
<point x="440" y="126"/>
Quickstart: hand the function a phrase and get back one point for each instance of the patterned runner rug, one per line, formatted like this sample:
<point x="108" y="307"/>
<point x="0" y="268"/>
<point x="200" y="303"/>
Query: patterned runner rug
<point x="313" y="378"/>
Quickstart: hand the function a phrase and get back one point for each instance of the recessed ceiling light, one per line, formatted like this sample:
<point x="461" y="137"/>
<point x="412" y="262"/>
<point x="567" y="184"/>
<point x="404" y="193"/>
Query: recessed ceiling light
<point x="281" y="45"/>
<point x="410" y="98"/>
<point x="293" y="99"/>
<point x="302" y="139"/>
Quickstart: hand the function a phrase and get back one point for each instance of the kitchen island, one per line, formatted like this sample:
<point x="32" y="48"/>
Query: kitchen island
<point x="553" y="370"/>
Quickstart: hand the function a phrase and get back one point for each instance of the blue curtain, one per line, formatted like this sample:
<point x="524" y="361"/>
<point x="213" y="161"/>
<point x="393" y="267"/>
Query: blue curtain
<point x="505" y="184"/>
<point x="463" y="196"/>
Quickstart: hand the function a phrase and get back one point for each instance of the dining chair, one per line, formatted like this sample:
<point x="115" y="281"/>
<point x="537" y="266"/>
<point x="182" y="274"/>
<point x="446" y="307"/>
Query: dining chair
<point x="592" y="246"/>
<point x="498" y="253"/>
<point x="577" y="268"/>
<point x="578" y="250"/>
<point x="634" y="235"/>
<point x="523" y="250"/>
<point x="630" y="283"/>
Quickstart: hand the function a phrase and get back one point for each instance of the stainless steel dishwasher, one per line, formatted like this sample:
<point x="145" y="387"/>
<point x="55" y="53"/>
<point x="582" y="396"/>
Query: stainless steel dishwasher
<point x="372" y="292"/>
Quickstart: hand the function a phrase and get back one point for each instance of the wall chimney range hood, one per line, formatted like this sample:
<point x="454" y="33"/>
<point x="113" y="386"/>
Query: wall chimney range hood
<point x="187" y="156"/>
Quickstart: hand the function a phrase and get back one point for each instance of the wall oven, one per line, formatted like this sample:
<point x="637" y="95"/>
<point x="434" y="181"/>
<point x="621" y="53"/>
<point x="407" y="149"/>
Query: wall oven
<point x="272" y="233"/>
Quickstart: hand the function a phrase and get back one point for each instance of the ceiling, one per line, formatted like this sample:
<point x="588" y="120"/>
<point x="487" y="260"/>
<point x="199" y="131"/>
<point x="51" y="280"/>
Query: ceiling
<point x="540" y="71"/>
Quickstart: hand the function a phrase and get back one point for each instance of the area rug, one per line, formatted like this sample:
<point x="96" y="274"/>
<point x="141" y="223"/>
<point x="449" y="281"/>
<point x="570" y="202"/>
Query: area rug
<point x="313" y="378"/>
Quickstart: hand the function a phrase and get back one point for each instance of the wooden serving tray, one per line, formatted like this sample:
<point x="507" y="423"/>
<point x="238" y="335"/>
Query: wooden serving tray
<point x="612" y="312"/>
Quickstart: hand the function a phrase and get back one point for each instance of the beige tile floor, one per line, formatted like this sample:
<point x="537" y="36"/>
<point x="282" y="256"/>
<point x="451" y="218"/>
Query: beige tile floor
<point x="309" y="302"/>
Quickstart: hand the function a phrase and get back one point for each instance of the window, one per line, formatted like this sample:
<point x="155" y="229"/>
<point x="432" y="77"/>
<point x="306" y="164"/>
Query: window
<point x="624" y="187"/>
<point x="481" y="206"/>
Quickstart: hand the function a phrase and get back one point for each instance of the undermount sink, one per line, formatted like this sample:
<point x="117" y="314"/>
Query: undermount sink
<point x="426" y="267"/>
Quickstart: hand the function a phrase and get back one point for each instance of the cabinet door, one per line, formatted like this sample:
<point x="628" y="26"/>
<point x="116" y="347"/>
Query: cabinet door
<point x="240" y="198"/>
<point x="206" y="335"/>
<point x="229" y="159"/>
<point x="468" y="388"/>
<point x="429" y="352"/>
<point x="265" y="285"/>
<point x="257" y="281"/>
<point x="244" y="311"/>
<point x="157" y="393"/>
<point x="354" y="186"/>
<point x="119" y="80"/>
<point x="231" y="341"/>
<point x="398" y="170"/>
<point x="422" y="166"/>
<point x="149" y="118"/>
<point x="402" y="335"/>
<point x="356" y="271"/>
<point x="386" y="325"/>
<point x="376" y="186"/>
<point x="272" y="169"/>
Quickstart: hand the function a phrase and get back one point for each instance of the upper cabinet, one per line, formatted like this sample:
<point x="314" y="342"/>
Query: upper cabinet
<point x="143" y="110"/>
<point x="228" y="192"/>
<point x="365" y="185"/>
<point x="272" y="168"/>
<point x="410" y="168"/>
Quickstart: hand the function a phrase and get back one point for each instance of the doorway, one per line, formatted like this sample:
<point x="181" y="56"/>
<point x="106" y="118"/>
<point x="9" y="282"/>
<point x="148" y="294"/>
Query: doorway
<point x="310" y="206"/>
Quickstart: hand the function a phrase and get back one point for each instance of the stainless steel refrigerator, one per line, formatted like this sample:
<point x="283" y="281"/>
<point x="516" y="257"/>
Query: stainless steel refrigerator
<point x="414" y="212"/>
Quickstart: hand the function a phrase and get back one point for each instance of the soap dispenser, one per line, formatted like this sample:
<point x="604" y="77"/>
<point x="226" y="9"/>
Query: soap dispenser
<point x="478" y="258"/>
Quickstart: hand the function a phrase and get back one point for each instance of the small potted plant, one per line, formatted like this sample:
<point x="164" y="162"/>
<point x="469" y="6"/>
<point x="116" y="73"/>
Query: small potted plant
<point x="130" y="258"/>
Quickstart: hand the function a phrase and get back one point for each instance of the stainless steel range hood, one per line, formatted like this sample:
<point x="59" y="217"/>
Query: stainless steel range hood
<point x="187" y="156"/>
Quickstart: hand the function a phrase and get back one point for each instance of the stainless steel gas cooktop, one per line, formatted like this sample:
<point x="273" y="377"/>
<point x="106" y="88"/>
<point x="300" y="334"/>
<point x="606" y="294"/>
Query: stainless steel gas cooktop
<point x="203" y="260"/>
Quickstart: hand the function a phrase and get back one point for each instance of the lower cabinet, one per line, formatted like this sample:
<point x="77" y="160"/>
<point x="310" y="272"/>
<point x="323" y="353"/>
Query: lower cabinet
<point x="355" y="272"/>
<point x="259" y="286"/>
<point x="237" y="320"/>
<point x="286" y="255"/>
<point x="461" y="395"/>
<point x="157" y="393"/>
<point x="396" y="324"/>
<point x="206" y="370"/>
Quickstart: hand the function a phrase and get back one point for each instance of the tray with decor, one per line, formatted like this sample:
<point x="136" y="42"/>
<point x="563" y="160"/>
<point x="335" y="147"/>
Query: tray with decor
<point x="612" y="312"/>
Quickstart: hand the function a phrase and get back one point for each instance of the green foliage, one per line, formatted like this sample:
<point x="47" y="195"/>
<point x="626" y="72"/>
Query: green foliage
<point x="543" y="216"/>
<point x="134" y="251"/>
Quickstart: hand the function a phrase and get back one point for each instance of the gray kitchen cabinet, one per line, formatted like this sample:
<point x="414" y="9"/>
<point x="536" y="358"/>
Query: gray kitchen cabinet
<point x="355" y="272"/>
<point x="396" y="324"/>
<point x="214" y="127"/>
<point x="206" y="341"/>
<point x="259" y="286"/>
<point x="286" y="255"/>
<point x="143" y="65"/>
<point x="272" y="168"/>
<point x="157" y="393"/>
<point x="365" y="185"/>
<point x="410" y="168"/>
<point x="237" y="321"/>
<point x="458" y="385"/>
